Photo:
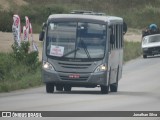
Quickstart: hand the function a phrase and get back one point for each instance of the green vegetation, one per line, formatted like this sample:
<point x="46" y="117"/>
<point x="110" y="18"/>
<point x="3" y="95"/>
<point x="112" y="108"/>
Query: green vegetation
<point x="132" y="50"/>
<point x="19" y="69"/>
<point x="137" y="13"/>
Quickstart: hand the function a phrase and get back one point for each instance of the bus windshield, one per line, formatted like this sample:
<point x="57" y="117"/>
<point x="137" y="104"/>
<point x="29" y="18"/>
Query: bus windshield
<point x="76" y="40"/>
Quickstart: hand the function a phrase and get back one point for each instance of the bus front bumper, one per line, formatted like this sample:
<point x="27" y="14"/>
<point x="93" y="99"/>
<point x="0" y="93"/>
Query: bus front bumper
<point x="75" y="79"/>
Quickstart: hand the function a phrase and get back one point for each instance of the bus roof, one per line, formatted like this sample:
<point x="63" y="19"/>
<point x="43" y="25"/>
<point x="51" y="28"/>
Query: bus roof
<point x="100" y="18"/>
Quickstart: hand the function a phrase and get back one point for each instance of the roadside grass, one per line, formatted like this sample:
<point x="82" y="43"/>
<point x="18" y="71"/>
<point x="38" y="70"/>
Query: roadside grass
<point x="14" y="76"/>
<point x="19" y="70"/>
<point x="27" y="81"/>
<point x="132" y="50"/>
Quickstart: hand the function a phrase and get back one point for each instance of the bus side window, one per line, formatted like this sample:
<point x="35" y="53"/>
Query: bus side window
<point x="117" y="36"/>
<point x="112" y="38"/>
<point x="110" y="33"/>
<point x="122" y="36"/>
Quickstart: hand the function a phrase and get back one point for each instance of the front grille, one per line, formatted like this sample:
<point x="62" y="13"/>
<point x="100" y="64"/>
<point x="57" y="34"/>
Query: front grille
<point x="74" y="65"/>
<point x="154" y="49"/>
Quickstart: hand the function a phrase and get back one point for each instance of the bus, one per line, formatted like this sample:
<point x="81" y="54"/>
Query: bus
<point x="82" y="50"/>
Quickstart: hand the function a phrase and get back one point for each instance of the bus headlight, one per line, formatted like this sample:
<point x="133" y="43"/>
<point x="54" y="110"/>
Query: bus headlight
<point x="101" y="68"/>
<point x="47" y="66"/>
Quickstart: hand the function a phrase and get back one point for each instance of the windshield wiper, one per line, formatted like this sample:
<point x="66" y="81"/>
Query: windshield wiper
<point x="75" y="50"/>
<point x="85" y="48"/>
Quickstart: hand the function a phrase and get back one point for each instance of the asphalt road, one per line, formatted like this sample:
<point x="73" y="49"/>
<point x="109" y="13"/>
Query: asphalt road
<point x="139" y="90"/>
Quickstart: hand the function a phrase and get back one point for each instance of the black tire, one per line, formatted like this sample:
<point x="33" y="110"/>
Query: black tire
<point x="104" y="89"/>
<point x="114" y="86"/>
<point x="144" y="56"/>
<point x="49" y="87"/>
<point x="67" y="88"/>
<point x="59" y="87"/>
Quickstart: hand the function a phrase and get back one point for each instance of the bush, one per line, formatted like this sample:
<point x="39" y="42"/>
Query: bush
<point x="6" y="64"/>
<point x="6" y="21"/>
<point x="19" y="69"/>
<point x="20" y="52"/>
<point x="22" y="55"/>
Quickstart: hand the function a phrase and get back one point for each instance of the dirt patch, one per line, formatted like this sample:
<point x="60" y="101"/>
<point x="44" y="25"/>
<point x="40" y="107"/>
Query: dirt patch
<point x="130" y="36"/>
<point x="20" y="2"/>
<point x="134" y="35"/>
<point x="6" y="40"/>
<point x="6" y="4"/>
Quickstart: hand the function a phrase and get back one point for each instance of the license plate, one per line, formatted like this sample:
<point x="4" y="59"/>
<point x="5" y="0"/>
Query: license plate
<point x="74" y="76"/>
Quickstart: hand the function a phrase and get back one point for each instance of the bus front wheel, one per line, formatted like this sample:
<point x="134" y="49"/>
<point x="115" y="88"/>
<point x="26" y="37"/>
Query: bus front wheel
<point x="67" y="88"/>
<point x="104" y="89"/>
<point x="49" y="87"/>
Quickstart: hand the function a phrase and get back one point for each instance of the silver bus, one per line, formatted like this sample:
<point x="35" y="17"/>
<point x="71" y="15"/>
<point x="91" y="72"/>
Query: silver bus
<point x="82" y="50"/>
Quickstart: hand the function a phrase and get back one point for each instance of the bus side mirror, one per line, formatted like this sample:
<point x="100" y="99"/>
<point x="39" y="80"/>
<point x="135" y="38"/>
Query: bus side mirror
<point x="41" y="36"/>
<point x="124" y="28"/>
<point x="44" y="25"/>
<point x="112" y="39"/>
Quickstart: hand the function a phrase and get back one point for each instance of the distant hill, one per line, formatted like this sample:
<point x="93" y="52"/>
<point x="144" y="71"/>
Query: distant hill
<point x="137" y="13"/>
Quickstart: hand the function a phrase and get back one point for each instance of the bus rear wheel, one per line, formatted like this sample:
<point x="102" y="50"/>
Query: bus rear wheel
<point x="114" y="86"/>
<point x="49" y="87"/>
<point x="144" y="56"/>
